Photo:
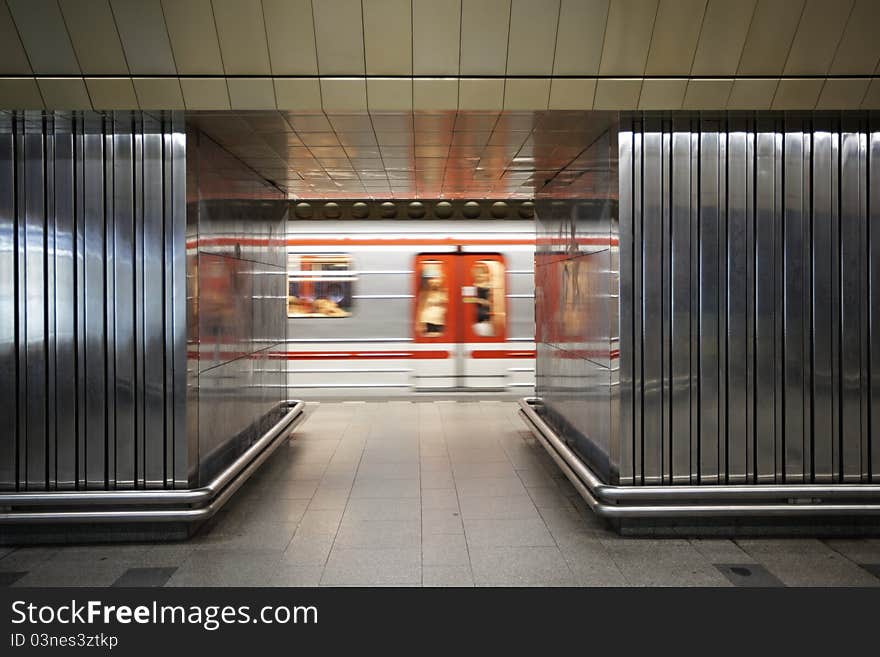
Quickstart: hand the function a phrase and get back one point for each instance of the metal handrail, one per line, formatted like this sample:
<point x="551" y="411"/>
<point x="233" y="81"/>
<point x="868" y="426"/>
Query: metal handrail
<point x="635" y="501"/>
<point x="203" y="501"/>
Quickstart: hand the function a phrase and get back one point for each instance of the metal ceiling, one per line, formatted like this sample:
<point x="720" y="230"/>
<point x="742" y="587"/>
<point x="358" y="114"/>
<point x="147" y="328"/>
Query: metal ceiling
<point x="452" y="155"/>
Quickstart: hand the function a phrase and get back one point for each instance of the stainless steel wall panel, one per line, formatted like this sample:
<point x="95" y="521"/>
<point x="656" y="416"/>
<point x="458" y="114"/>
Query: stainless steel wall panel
<point x="94" y="357"/>
<point x="36" y="356"/>
<point x="824" y="312"/>
<point x="737" y="283"/>
<point x="64" y="195"/>
<point x="72" y="349"/>
<point x="766" y="273"/>
<point x="766" y="219"/>
<point x="625" y="374"/>
<point x="796" y="313"/>
<point x="652" y="306"/>
<point x="123" y="324"/>
<point x="680" y="331"/>
<point x="8" y="306"/>
<point x="184" y="469"/>
<point x="873" y="238"/>
<point x="852" y="244"/>
<point x="709" y="311"/>
<point x="154" y="337"/>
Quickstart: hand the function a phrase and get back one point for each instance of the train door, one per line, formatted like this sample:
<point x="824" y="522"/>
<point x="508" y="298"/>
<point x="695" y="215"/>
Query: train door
<point x="460" y="301"/>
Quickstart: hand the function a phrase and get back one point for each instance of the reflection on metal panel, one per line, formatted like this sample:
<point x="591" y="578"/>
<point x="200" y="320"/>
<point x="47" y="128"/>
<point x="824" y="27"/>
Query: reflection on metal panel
<point x="770" y="239"/>
<point x="72" y="348"/>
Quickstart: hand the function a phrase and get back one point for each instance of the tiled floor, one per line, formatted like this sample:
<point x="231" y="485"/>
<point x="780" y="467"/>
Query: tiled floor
<point x="430" y="494"/>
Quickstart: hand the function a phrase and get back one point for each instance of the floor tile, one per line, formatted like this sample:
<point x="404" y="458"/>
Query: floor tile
<point x="9" y="577"/>
<point x="520" y="566"/>
<point x="444" y="550"/>
<point x="308" y="549"/>
<point x="749" y="575"/>
<point x="384" y="508"/>
<point x="386" y="488"/>
<point x="441" y="521"/>
<point x="288" y="574"/>
<point x="503" y="508"/>
<point x="452" y="576"/>
<point x="440" y="498"/>
<point x="507" y="533"/>
<point x="370" y="567"/>
<point x="379" y="534"/>
<point x="144" y="577"/>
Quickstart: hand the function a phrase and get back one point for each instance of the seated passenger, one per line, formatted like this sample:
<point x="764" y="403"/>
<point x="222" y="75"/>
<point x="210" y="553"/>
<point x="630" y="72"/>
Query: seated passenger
<point x="431" y="314"/>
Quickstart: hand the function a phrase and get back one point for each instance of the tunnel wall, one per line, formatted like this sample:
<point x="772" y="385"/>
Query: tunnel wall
<point x="92" y="301"/>
<point x="236" y="304"/>
<point x="750" y="339"/>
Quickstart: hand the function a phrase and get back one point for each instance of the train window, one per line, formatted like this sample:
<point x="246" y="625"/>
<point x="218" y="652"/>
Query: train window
<point x="433" y="299"/>
<point x="319" y="285"/>
<point x="486" y="294"/>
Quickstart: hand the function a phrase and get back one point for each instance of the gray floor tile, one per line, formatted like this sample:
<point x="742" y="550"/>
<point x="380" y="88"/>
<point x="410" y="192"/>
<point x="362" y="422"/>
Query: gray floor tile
<point x="384" y="508"/>
<point x="749" y="575"/>
<point x="444" y="550"/>
<point x="320" y="521"/>
<point x="379" y="534"/>
<point x="489" y="487"/>
<point x="494" y="469"/>
<point x="386" y="488"/>
<point x="10" y="577"/>
<point x="441" y="521"/>
<point x="308" y="549"/>
<point x="27" y="558"/>
<point x="520" y="566"/>
<point x="439" y="463"/>
<point x="440" y="498"/>
<point x="251" y="536"/>
<point x="388" y="471"/>
<point x="329" y="498"/>
<point x="507" y="533"/>
<point x="227" y="568"/>
<point x="144" y="577"/>
<point x="454" y="576"/>
<point x="439" y="479"/>
<point x="502" y="508"/>
<point x="721" y="550"/>
<point x="289" y="574"/>
<point x="67" y="573"/>
<point x="863" y="550"/>
<point x="297" y="489"/>
<point x="548" y="497"/>
<point x="667" y="562"/>
<point x="371" y="567"/>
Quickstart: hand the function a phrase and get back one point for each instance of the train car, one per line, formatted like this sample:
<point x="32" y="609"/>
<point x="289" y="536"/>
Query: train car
<point x="400" y="308"/>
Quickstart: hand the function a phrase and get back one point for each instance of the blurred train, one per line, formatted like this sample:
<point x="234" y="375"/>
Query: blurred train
<point x="404" y="307"/>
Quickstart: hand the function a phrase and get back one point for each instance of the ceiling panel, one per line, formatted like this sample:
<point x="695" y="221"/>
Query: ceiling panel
<point x="388" y="37"/>
<point x="339" y="37"/>
<point x="859" y="48"/>
<point x="752" y="94"/>
<point x="291" y="35"/>
<point x="842" y="94"/>
<point x="660" y="93"/>
<point x="193" y="37"/>
<point x="158" y="93"/>
<point x="817" y="36"/>
<point x="797" y="93"/>
<point x="484" y="36"/>
<point x="771" y="32"/>
<point x="532" y="37"/>
<point x="580" y="37"/>
<point x="141" y="28"/>
<point x="66" y="93"/>
<point x="436" y="33"/>
<point x="22" y="93"/>
<point x="112" y="93"/>
<point x="12" y="56"/>
<point x="722" y="37"/>
<point x="44" y="36"/>
<point x="242" y="36"/>
<point x="674" y="40"/>
<point x="628" y="36"/>
<point x="568" y="94"/>
<point x="707" y="94"/>
<point x="92" y="31"/>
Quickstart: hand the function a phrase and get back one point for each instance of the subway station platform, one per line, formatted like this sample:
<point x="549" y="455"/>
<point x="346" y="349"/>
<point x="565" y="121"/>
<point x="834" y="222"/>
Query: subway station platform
<point x="439" y="493"/>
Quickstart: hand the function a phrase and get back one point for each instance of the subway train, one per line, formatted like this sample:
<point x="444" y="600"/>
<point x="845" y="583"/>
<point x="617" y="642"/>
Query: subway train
<point x="410" y="308"/>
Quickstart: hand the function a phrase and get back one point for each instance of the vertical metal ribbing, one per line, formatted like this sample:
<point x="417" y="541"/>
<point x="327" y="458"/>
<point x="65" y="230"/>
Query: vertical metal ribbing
<point x="139" y="298"/>
<point x="823" y="317"/>
<point x="874" y="295"/>
<point x="638" y="292"/>
<point x="8" y="307"/>
<point x="65" y="305"/>
<point x="680" y="283"/>
<point x="626" y="161"/>
<point x="835" y="310"/>
<point x="51" y="302"/>
<point x="168" y="299"/>
<point x="177" y="289"/>
<point x="709" y="310"/>
<point x="154" y="338"/>
<point x="652" y="304"/>
<point x="765" y="305"/>
<point x="79" y="240"/>
<point x="124" y="327"/>
<point x="852" y="220"/>
<point x="110" y="299"/>
<point x="737" y="284"/>
<point x="34" y="310"/>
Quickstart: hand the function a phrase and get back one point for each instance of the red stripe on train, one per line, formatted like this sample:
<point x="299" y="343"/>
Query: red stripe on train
<point x="501" y="353"/>
<point x="325" y="355"/>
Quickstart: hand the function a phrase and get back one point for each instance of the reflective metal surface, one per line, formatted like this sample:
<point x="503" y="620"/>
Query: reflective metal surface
<point x="748" y="272"/>
<point x="87" y="374"/>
